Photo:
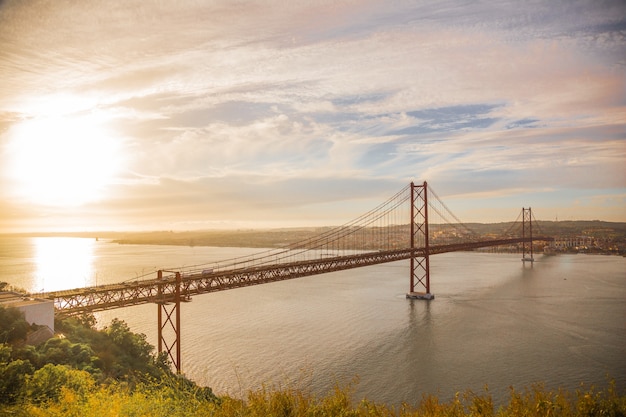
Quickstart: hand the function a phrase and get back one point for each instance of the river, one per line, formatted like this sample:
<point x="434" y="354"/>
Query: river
<point x="494" y="322"/>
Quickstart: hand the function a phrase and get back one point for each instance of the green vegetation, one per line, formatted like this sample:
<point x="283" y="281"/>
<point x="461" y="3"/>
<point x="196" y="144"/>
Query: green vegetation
<point x="112" y="372"/>
<point x="80" y="361"/>
<point x="13" y="327"/>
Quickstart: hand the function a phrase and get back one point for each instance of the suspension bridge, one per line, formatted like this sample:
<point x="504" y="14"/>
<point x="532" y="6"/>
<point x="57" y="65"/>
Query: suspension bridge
<point x="413" y="224"/>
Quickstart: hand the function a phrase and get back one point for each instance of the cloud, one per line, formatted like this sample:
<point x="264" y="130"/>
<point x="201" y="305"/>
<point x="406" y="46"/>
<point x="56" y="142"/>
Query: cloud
<point x="475" y="97"/>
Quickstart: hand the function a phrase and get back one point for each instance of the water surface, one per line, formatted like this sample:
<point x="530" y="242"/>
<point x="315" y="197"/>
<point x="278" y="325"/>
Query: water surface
<point x="494" y="321"/>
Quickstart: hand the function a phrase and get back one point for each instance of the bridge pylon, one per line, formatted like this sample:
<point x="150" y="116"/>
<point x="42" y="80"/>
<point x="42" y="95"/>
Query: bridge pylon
<point x="527" y="231"/>
<point x="420" y="259"/>
<point x="168" y="315"/>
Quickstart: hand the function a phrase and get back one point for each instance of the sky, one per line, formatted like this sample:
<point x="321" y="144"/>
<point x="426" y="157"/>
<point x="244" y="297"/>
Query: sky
<point x="161" y="115"/>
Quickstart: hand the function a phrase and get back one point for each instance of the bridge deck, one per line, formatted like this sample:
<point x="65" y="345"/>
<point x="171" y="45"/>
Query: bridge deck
<point x="105" y="297"/>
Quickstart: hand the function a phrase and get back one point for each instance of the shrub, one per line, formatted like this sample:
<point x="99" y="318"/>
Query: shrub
<point x="46" y="383"/>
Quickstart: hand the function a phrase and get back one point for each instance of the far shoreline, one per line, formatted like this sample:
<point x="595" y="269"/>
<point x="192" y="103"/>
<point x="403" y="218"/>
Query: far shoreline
<point x="612" y="235"/>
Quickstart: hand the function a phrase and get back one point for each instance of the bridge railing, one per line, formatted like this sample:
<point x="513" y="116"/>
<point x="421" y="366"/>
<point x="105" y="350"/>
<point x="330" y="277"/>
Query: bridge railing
<point x="109" y="296"/>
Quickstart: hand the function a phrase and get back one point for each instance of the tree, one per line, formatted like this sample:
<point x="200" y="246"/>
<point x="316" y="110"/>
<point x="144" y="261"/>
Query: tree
<point x="46" y="383"/>
<point x="5" y="353"/>
<point x="63" y="352"/>
<point x="13" y="326"/>
<point x="132" y="351"/>
<point x="134" y="344"/>
<point x="13" y="376"/>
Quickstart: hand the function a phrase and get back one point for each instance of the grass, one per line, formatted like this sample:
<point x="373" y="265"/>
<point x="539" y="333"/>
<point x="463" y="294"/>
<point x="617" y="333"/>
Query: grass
<point x="171" y="399"/>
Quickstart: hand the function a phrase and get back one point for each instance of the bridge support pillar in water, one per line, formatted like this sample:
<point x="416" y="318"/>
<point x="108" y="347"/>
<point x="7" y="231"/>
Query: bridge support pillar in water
<point x="169" y="322"/>
<point x="527" y="231"/>
<point x="420" y="263"/>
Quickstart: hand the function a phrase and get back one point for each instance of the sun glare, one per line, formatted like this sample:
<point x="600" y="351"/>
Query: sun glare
<point x="62" y="160"/>
<point x="63" y="262"/>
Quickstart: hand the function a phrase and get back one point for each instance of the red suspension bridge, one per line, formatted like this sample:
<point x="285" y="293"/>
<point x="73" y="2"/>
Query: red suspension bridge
<point x="413" y="224"/>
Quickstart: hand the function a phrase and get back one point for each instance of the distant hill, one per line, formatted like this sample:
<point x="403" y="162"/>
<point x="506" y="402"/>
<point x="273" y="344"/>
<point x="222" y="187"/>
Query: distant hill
<point x="272" y="238"/>
<point x="614" y="231"/>
<point x="570" y="228"/>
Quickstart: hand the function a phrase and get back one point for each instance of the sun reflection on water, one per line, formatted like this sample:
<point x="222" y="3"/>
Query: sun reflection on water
<point x="64" y="262"/>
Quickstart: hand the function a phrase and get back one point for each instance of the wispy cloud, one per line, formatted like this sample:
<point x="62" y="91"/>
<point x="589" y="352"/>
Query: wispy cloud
<point x="266" y="97"/>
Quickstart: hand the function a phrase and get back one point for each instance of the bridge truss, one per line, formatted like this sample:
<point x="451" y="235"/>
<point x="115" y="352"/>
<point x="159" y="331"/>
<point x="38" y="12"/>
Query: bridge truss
<point x="379" y="236"/>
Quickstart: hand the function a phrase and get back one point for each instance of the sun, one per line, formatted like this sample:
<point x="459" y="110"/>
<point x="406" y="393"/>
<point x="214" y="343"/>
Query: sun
<point x="62" y="160"/>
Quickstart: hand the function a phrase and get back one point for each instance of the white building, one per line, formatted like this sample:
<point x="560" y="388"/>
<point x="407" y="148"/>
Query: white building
<point x="36" y="310"/>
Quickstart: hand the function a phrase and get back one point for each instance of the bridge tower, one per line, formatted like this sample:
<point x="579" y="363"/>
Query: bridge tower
<point x="420" y="261"/>
<point x="168" y="314"/>
<point x="527" y="232"/>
